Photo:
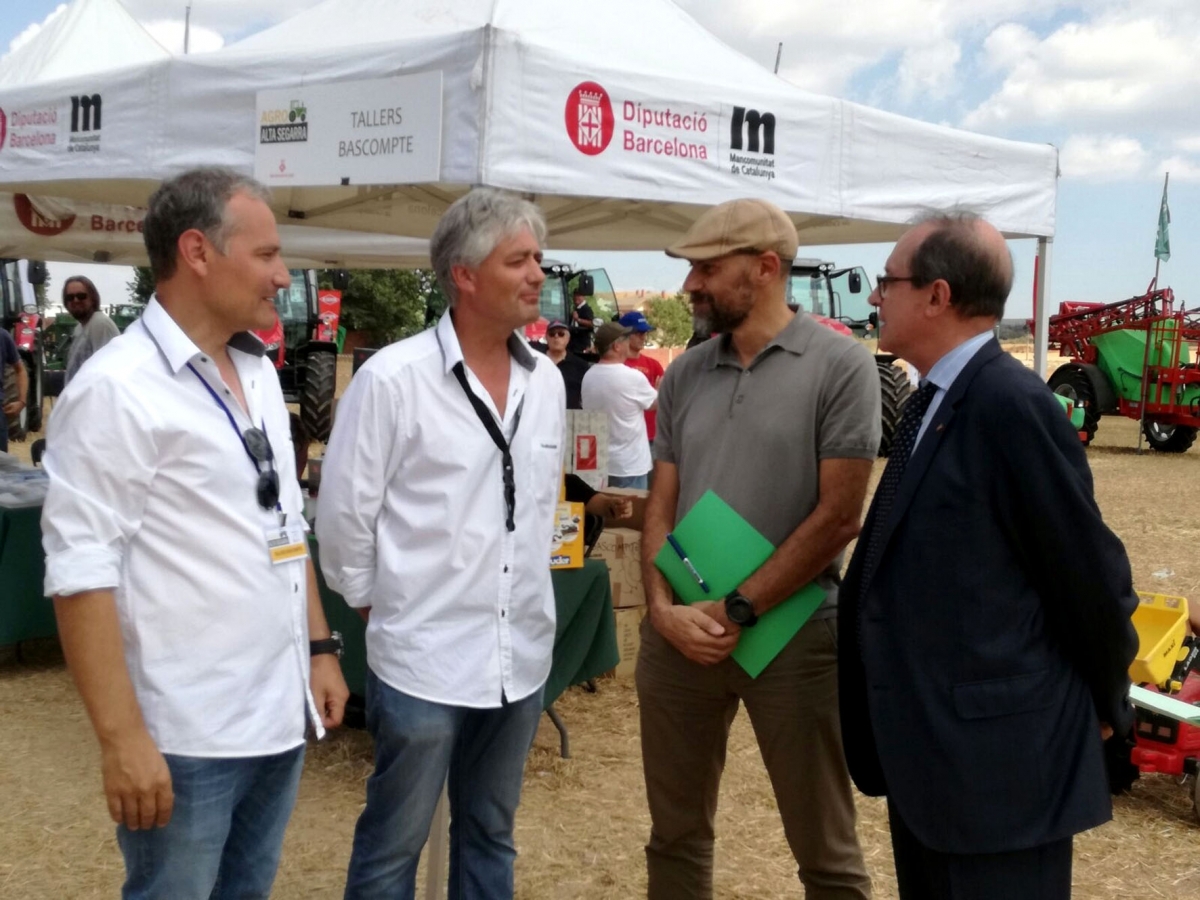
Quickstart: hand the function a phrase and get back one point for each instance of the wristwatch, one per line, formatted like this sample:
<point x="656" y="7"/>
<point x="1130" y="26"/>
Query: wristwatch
<point x="332" y="644"/>
<point x="740" y="610"/>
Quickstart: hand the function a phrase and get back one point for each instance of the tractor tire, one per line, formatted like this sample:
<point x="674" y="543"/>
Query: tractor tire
<point x="316" y="398"/>
<point x="1072" y="381"/>
<point x="52" y="382"/>
<point x="35" y="401"/>
<point x="894" y="391"/>
<point x="1169" y="438"/>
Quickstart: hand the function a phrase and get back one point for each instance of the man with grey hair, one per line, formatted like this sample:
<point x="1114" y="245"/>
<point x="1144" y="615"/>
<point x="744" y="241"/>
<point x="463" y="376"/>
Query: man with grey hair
<point x="985" y="617"/>
<point x="176" y="556"/>
<point x="437" y="507"/>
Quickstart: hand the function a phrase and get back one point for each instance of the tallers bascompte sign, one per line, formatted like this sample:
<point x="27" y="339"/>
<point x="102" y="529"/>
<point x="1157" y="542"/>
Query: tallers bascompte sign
<point x="739" y="138"/>
<point x="384" y="131"/>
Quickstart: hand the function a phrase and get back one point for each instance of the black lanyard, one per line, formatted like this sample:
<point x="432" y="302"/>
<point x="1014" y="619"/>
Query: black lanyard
<point x="232" y="422"/>
<point x="506" y="461"/>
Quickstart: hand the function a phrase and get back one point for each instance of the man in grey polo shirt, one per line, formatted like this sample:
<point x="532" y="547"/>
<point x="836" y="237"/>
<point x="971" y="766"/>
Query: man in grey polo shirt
<point x="780" y="418"/>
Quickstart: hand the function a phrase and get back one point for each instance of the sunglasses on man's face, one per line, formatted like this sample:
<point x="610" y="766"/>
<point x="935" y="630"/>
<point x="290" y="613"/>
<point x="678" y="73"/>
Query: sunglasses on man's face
<point x="267" y="488"/>
<point x="83" y="296"/>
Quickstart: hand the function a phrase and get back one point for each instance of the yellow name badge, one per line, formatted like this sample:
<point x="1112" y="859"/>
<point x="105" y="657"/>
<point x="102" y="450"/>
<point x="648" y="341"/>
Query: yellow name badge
<point x="286" y="543"/>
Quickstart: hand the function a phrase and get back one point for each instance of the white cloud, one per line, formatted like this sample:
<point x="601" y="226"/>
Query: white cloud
<point x="1102" y="157"/>
<point x="30" y="31"/>
<point x="169" y="33"/>
<point x="1181" y="169"/>
<point x="928" y="70"/>
<point x="1189" y="144"/>
<point x="1007" y="46"/>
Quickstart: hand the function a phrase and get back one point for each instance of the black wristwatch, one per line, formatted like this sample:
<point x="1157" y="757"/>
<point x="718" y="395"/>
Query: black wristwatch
<point x="740" y="610"/>
<point x="332" y="644"/>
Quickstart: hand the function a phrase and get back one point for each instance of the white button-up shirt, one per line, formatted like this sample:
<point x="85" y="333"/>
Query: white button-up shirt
<point x="153" y="495"/>
<point x="411" y="521"/>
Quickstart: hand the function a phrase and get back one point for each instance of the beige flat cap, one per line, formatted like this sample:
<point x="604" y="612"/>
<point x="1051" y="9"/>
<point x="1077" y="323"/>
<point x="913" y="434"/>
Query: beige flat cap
<point x="738" y="225"/>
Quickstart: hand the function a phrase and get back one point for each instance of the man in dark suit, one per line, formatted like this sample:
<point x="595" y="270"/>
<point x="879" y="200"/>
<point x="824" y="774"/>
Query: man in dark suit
<point x="985" y="616"/>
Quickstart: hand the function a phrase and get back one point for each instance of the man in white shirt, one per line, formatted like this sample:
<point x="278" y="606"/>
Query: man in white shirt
<point x="438" y="496"/>
<point x="175" y="553"/>
<point x="624" y="393"/>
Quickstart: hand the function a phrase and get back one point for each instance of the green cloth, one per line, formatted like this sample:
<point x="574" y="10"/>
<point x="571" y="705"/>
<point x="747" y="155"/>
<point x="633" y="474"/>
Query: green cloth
<point x="24" y="612"/>
<point x="1162" y="244"/>
<point x="585" y="636"/>
<point x="725" y="549"/>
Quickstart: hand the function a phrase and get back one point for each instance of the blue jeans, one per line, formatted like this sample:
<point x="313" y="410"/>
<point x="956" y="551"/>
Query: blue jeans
<point x="417" y="745"/>
<point x="641" y="482"/>
<point x="225" y="834"/>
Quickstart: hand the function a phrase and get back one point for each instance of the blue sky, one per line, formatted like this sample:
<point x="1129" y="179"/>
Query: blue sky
<point x="1109" y="82"/>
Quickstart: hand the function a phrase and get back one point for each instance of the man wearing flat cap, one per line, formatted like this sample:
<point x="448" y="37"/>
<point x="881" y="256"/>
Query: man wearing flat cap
<point x="779" y="417"/>
<point x="612" y="387"/>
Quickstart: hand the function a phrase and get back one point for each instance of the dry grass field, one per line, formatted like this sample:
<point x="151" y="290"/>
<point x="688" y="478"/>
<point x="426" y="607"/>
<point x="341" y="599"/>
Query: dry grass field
<point x="583" y="822"/>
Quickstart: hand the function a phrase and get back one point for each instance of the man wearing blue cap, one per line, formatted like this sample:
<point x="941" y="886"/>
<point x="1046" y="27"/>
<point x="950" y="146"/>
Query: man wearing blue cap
<point x="647" y="365"/>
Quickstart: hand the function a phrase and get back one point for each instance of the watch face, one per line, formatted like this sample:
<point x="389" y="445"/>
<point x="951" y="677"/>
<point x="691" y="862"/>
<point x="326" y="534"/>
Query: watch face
<point x="739" y="609"/>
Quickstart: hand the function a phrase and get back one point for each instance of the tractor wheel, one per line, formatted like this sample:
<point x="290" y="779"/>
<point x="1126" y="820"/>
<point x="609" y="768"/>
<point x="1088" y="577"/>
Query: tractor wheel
<point x="1072" y="381"/>
<point x="1169" y="438"/>
<point x="894" y="391"/>
<point x="33" y="403"/>
<point x="316" y="398"/>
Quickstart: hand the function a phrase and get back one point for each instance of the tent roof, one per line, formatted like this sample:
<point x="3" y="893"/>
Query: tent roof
<point x="87" y="36"/>
<point x="513" y="73"/>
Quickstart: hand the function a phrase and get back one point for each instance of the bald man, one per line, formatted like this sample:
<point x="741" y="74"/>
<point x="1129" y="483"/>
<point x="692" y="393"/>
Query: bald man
<point x="984" y="622"/>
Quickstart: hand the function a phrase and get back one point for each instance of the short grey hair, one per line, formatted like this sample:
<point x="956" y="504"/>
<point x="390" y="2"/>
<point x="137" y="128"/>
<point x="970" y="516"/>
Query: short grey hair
<point x="980" y="279"/>
<point x="472" y="227"/>
<point x="196" y="199"/>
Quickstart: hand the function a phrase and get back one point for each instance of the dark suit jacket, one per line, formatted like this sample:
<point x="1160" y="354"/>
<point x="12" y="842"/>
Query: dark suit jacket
<point x="995" y="631"/>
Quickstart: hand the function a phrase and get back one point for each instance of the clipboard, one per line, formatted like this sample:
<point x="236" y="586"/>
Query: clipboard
<point x="726" y="549"/>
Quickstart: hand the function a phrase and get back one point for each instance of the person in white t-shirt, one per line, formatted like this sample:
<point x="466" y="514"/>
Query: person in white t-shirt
<point x="624" y="393"/>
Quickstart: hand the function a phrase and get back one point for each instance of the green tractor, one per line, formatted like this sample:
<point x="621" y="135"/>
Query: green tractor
<point x="1132" y="358"/>
<point x="837" y="299"/>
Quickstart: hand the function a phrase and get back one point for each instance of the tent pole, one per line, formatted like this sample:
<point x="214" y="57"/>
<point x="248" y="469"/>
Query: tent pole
<point x="187" y="27"/>
<point x="1041" y="326"/>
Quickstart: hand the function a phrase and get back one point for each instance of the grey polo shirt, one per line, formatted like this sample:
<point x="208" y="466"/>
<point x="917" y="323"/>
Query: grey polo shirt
<point x="756" y="436"/>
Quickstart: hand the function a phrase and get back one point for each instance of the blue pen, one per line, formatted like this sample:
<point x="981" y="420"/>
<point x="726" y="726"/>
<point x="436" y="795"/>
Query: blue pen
<point x="687" y="562"/>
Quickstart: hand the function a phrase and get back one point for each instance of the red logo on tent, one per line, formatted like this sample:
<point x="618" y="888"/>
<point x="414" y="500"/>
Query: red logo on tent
<point x="589" y="116"/>
<point x="42" y="223"/>
<point x="3" y="128"/>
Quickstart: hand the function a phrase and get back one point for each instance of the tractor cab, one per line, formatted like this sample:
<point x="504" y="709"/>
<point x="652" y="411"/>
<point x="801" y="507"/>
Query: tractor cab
<point x="827" y="292"/>
<point x="562" y="282"/>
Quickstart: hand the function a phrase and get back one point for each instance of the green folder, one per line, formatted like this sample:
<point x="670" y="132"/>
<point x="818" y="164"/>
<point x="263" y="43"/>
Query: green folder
<point x="726" y="549"/>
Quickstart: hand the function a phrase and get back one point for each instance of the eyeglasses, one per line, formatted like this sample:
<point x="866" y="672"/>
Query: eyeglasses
<point x="82" y="296"/>
<point x="882" y="281"/>
<point x="259" y="447"/>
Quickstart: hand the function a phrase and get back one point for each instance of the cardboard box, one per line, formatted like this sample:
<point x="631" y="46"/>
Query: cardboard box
<point x="635" y="518"/>
<point x="629" y="639"/>
<point x="587" y="446"/>
<point x="566" y="552"/>
<point x="621" y="549"/>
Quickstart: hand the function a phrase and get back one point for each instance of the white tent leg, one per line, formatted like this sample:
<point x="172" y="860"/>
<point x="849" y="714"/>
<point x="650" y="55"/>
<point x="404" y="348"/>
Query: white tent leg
<point x="437" y="863"/>
<point x="1041" y="328"/>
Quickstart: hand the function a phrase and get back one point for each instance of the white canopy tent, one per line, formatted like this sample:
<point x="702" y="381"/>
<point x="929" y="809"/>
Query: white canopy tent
<point x="622" y="120"/>
<point x="92" y="36"/>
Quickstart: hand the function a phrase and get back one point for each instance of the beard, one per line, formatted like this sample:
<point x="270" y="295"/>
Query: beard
<point x="722" y="316"/>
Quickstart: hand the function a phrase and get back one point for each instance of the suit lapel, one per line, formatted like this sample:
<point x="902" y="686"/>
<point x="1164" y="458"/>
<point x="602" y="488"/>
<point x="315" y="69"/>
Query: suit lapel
<point x="927" y="447"/>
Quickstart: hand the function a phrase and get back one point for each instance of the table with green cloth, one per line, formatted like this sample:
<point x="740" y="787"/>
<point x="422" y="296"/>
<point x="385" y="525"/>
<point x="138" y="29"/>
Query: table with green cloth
<point x="24" y="612"/>
<point x="585" y="635"/>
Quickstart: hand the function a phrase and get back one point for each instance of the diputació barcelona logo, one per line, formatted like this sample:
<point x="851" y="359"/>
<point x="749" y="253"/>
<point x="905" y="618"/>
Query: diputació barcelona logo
<point x="589" y="118"/>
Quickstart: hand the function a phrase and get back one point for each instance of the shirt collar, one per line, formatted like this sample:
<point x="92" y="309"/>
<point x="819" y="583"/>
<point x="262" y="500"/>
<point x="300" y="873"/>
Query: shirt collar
<point x="793" y="338"/>
<point x="177" y="347"/>
<point x="950" y="366"/>
<point x="452" y="353"/>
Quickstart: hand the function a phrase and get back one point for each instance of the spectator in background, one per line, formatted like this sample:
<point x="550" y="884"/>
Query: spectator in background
<point x="647" y="365"/>
<point x="572" y="367"/>
<point x="94" y="330"/>
<point x="583" y="325"/>
<point x="611" y="387"/>
<point x="11" y="367"/>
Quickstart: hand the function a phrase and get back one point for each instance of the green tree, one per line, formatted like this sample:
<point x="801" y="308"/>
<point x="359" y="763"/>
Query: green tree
<point x="388" y="304"/>
<point x="141" y="288"/>
<point x="672" y="319"/>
